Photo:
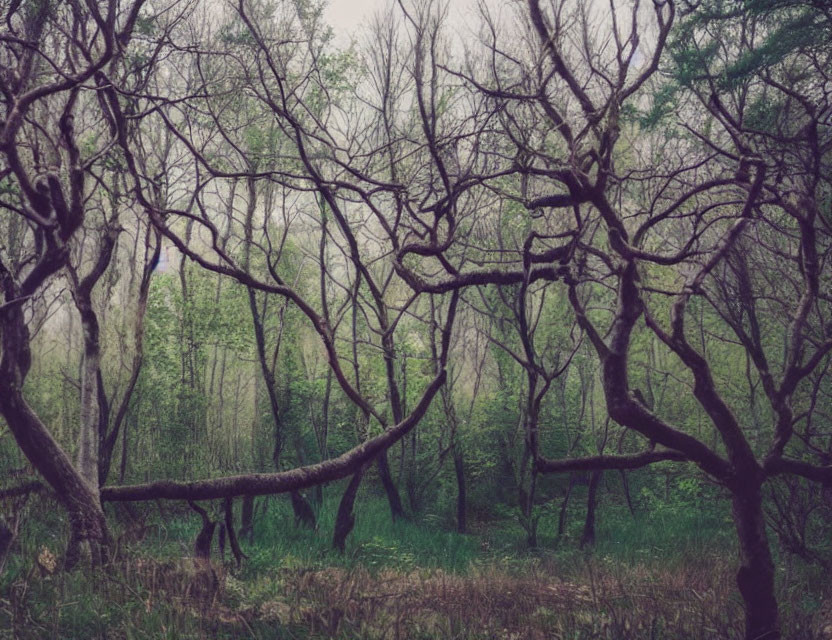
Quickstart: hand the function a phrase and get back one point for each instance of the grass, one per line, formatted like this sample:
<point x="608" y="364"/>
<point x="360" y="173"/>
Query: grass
<point x="376" y="541"/>
<point x="666" y="574"/>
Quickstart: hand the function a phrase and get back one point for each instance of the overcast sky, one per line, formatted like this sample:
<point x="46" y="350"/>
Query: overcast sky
<point x="346" y="16"/>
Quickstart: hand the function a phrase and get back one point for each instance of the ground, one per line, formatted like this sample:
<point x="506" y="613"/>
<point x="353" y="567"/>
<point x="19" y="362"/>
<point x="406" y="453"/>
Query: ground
<point x="656" y="578"/>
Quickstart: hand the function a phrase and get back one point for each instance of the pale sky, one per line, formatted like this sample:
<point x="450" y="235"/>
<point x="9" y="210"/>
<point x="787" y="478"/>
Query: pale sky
<point x="346" y="16"/>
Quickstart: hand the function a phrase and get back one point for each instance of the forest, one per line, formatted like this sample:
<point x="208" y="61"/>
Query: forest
<point x="500" y="319"/>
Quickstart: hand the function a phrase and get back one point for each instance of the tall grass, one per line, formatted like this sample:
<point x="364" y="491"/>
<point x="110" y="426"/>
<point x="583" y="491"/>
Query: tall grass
<point x="376" y="541"/>
<point x="665" y="573"/>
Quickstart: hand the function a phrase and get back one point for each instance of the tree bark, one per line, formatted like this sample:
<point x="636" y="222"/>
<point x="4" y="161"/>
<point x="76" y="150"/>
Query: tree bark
<point x="247" y="519"/>
<point x="396" y="510"/>
<point x="202" y="544"/>
<point x="88" y="434"/>
<point x="93" y="404"/>
<point x="231" y="533"/>
<point x="345" y="519"/>
<point x="396" y="406"/>
<point x="755" y="578"/>
<point x="86" y="518"/>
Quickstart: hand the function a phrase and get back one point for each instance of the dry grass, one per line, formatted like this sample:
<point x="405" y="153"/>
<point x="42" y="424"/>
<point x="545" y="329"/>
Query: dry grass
<point x="598" y="600"/>
<point x="490" y="603"/>
<point x="534" y="600"/>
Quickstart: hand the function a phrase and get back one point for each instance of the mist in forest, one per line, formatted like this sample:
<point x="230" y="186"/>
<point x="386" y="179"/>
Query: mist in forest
<point x="415" y="319"/>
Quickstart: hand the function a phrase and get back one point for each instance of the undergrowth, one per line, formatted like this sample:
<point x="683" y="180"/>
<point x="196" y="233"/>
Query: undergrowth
<point x="663" y="573"/>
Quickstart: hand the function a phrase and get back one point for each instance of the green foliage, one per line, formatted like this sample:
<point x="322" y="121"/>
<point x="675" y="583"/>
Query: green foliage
<point x="793" y="34"/>
<point x="663" y="102"/>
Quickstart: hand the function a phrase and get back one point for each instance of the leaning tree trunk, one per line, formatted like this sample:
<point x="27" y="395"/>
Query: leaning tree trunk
<point x="228" y="505"/>
<point x="396" y="509"/>
<point x="88" y="528"/>
<point x="345" y="519"/>
<point x="755" y="578"/>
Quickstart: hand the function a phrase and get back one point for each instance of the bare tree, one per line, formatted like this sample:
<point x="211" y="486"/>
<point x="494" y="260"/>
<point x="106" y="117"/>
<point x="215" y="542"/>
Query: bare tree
<point x="45" y="70"/>
<point x="261" y="72"/>
<point x="686" y="217"/>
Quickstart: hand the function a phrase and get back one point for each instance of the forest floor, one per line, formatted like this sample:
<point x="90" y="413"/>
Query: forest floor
<point x="667" y="576"/>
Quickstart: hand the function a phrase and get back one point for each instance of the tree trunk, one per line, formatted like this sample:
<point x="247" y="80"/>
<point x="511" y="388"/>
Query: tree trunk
<point x="564" y="505"/>
<point x="247" y="519"/>
<point x="528" y="519"/>
<point x="88" y="528"/>
<point x="122" y="470"/>
<point x="625" y="482"/>
<point x="304" y="515"/>
<point x="232" y="535"/>
<point x="94" y="407"/>
<point x="459" y="468"/>
<point x="588" y="536"/>
<point x="202" y="544"/>
<point x="88" y="536"/>
<point x="78" y="488"/>
<point x="345" y="520"/>
<point x="7" y="537"/>
<point x="755" y="578"/>
<point x="397" y="409"/>
<point x="89" y="434"/>
<point x="396" y="510"/>
<point x="531" y="520"/>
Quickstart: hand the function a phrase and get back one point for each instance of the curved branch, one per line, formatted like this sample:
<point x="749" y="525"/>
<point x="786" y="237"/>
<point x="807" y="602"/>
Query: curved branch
<point x="601" y="463"/>
<point x="776" y="466"/>
<point x="258" y="484"/>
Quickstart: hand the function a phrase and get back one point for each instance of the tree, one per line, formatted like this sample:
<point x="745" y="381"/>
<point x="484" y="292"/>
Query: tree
<point x="663" y="241"/>
<point x="601" y="192"/>
<point x="301" y="134"/>
<point x="304" y="133"/>
<point x="45" y="172"/>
